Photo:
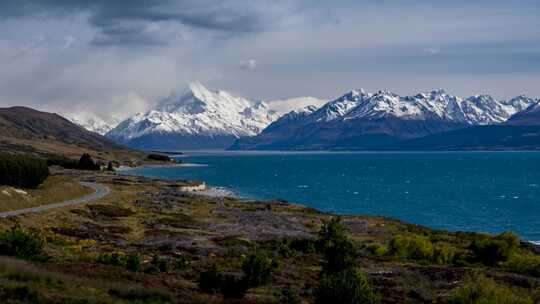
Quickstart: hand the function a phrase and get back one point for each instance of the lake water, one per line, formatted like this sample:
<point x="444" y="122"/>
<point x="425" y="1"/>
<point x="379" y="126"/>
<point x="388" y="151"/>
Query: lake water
<point x="476" y="191"/>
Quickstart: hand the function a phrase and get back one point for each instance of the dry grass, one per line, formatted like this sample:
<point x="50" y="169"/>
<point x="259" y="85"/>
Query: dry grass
<point x="208" y="230"/>
<point x="54" y="190"/>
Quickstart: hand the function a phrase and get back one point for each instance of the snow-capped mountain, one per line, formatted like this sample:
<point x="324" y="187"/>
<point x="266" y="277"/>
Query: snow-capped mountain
<point x="435" y="105"/>
<point x="364" y="120"/>
<point x="93" y="124"/>
<point x="528" y="117"/>
<point x="198" y="119"/>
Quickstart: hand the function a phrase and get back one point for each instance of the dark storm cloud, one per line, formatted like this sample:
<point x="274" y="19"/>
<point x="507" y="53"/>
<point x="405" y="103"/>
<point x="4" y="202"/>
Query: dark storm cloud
<point x="127" y="21"/>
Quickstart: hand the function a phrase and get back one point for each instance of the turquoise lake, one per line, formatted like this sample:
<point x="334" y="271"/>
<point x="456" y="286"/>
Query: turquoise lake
<point x="472" y="191"/>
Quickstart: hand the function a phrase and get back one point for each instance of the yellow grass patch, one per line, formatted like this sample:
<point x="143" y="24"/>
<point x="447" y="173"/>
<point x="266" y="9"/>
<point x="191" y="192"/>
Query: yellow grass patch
<point x="54" y="190"/>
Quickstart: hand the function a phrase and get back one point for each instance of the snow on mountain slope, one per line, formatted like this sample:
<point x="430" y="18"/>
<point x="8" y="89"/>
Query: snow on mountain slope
<point x="360" y="120"/>
<point x="528" y="117"/>
<point x="293" y="116"/>
<point x="199" y="115"/>
<point x="93" y="124"/>
<point x="435" y="105"/>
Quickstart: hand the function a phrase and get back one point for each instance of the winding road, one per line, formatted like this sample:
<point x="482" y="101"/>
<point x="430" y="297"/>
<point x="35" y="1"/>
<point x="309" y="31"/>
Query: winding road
<point x="99" y="192"/>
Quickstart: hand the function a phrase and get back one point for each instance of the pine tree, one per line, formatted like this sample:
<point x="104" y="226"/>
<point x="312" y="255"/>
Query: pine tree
<point x="87" y="163"/>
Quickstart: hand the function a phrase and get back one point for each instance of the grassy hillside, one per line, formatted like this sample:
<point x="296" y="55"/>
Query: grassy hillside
<point x="24" y="130"/>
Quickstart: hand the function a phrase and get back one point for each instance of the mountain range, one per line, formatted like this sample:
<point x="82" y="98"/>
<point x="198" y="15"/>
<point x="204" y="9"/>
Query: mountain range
<point x="357" y="120"/>
<point x="386" y="121"/>
<point x="198" y="119"/>
<point x="92" y="124"/>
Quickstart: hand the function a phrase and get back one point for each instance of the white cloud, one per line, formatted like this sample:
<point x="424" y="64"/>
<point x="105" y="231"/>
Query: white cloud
<point x="287" y="105"/>
<point x="432" y="51"/>
<point x="248" y="64"/>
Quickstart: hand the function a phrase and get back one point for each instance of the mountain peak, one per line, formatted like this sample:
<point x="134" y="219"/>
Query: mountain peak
<point x="196" y="117"/>
<point x="438" y="92"/>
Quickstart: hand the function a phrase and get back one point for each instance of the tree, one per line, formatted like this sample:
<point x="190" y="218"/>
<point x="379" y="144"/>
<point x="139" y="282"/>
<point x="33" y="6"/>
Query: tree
<point x="22" y="171"/>
<point x="339" y="253"/>
<point x="341" y="281"/>
<point x="110" y="167"/>
<point x="87" y="163"/>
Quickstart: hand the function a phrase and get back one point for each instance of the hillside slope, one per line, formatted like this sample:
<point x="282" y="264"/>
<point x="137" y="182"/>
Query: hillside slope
<point x="25" y="130"/>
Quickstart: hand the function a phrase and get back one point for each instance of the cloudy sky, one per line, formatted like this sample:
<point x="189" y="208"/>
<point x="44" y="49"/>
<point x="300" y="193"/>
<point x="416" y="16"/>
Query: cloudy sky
<point x="119" y="57"/>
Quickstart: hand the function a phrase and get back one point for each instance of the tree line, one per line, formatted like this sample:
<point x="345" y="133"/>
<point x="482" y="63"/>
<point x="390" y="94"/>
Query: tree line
<point x="84" y="163"/>
<point x="22" y="171"/>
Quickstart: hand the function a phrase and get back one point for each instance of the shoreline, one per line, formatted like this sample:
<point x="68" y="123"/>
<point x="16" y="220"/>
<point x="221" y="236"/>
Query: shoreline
<point x="222" y="192"/>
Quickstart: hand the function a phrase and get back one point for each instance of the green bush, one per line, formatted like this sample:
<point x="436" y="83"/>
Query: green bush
<point x="22" y="171"/>
<point x="303" y="245"/>
<point x="523" y="262"/>
<point x="133" y="262"/>
<point x="477" y="289"/>
<point x="179" y="263"/>
<point x="21" y="243"/>
<point x="491" y="250"/>
<point x="339" y="253"/>
<point x="376" y="249"/>
<point x="348" y="286"/>
<point x="257" y="269"/>
<point x="444" y="254"/>
<point x="411" y="247"/>
<point x="111" y="258"/>
<point x="160" y="263"/>
<point x="211" y="280"/>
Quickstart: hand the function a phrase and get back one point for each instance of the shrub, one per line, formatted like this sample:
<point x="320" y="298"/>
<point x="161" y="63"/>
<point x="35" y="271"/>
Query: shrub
<point x="444" y="254"/>
<point x="234" y="287"/>
<point x="303" y="245"/>
<point x="112" y="258"/>
<point x="411" y="247"/>
<point x="257" y="269"/>
<point x="160" y="263"/>
<point x="18" y="294"/>
<point x="211" y="280"/>
<point x="18" y="242"/>
<point x="133" y="262"/>
<point x="140" y="296"/>
<point x="339" y="253"/>
<point x="290" y="296"/>
<point x="110" y="167"/>
<point x="523" y="262"/>
<point x="22" y="171"/>
<point x="344" y="287"/>
<point x="479" y="289"/>
<point x="179" y="263"/>
<point x="491" y="250"/>
<point x="87" y="163"/>
<point x="376" y="249"/>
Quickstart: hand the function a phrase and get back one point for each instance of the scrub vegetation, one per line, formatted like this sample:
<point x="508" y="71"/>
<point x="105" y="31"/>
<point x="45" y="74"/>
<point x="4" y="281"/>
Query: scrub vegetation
<point x="149" y="242"/>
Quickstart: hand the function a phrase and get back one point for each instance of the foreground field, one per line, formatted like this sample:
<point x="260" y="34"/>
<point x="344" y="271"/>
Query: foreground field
<point x="148" y="242"/>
